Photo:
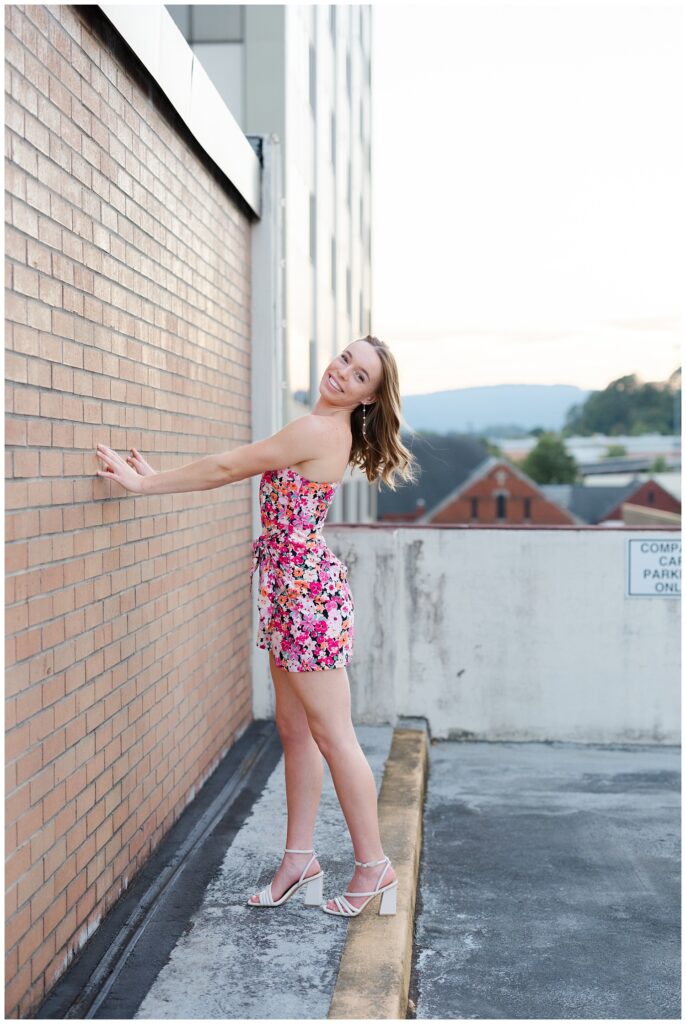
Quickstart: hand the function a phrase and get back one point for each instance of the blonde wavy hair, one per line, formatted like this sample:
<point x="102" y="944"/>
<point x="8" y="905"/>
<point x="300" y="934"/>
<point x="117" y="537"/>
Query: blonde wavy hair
<point x="381" y="454"/>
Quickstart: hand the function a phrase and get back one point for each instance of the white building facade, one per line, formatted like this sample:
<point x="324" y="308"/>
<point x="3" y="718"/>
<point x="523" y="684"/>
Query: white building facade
<point x="303" y="74"/>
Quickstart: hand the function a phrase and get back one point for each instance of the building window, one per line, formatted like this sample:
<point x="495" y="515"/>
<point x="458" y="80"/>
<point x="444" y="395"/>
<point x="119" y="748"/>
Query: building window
<point x="313" y="78"/>
<point x="333" y="265"/>
<point x="475" y="508"/>
<point x="348" y="291"/>
<point x="651" y="497"/>
<point x="527" y="508"/>
<point x="215" y="23"/>
<point x="501" y="506"/>
<point x="333" y="139"/>
<point x="313" y="227"/>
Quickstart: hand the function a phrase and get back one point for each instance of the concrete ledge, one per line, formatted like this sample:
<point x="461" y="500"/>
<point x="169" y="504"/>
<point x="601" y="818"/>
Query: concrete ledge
<point x="374" y="974"/>
<point x="154" y="37"/>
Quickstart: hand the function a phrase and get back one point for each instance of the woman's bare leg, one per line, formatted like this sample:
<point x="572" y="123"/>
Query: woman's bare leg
<point x="304" y="771"/>
<point x="325" y="696"/>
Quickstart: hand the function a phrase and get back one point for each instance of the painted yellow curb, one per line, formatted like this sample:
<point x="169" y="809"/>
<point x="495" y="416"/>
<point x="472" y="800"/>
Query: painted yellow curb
<point x="374" y="973"/>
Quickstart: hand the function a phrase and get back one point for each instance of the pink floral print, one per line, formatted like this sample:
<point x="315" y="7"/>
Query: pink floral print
<point x="305" y="607"/>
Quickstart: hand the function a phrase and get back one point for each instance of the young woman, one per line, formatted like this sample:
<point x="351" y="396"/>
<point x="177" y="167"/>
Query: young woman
<point x="306" y="614"/>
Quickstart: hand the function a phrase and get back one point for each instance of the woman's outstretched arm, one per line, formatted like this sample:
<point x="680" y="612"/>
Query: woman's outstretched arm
<point x="305" y="438"/>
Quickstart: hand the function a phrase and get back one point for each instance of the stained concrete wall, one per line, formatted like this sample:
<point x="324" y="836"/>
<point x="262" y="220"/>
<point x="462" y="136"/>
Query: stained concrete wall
<point x="514" y="634"/>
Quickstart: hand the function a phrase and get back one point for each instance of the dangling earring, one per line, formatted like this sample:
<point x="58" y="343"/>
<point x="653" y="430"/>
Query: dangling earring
<point x="364" y="422"/>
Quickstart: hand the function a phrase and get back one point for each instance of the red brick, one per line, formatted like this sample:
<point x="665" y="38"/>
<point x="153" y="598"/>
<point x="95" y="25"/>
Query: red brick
<point x="121" y="331"/>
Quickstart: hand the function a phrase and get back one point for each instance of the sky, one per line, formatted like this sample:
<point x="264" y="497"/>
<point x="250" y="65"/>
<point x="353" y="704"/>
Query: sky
<point x="527" y="196"/>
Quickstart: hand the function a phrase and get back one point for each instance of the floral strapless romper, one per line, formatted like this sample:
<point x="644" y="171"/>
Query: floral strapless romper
<point x="304" y="603"/>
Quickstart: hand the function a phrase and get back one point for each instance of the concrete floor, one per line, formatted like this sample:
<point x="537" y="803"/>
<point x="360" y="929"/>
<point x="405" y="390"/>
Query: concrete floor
<point x="236" y="962"/>
<point x="550" y="882"/>
<point x="549" y="888"/>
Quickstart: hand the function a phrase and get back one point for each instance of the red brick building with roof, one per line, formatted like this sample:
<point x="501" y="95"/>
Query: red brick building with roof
<point x="498" y="492"/>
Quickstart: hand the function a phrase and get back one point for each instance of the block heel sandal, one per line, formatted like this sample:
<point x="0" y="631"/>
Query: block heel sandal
<point x="314" y="887"/>
<point x="388" y="894"/>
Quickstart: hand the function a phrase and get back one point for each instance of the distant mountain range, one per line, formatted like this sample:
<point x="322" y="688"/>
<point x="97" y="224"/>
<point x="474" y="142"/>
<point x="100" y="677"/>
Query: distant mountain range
<point x="497" y="408"/>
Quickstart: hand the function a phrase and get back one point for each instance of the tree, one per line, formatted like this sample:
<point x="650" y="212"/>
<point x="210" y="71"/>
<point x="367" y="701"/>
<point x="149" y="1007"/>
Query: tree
<point x="614" y="451"/>
<point x="628" y="406"/>
<point x="550" y="462"/>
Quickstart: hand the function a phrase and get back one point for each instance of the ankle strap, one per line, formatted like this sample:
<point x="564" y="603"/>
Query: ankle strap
<point x="371" y="863"/>
<point x="298" y="851"/>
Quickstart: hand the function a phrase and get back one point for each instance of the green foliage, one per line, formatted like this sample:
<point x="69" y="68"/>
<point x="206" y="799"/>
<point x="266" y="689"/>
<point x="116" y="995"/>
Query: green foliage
<point x="659" y="465"/>
<point x="550" y="462"/>
<point x="614" y="451"/>
<point x="491" y="448"/>
<point x="629" y="407"/>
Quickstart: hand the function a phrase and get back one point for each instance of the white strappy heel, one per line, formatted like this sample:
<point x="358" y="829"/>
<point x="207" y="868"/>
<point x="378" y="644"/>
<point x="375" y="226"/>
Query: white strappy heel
<point x="387" y="892"/>
<point x="314" y="887"/>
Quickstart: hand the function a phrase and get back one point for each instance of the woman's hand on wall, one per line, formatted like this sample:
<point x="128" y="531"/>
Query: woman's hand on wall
<point x="136" y="460"/>
<point x="118" y="470"/>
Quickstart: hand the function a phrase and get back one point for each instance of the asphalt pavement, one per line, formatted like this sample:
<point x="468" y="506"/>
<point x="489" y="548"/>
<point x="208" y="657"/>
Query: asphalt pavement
<point x="549" y="882"/>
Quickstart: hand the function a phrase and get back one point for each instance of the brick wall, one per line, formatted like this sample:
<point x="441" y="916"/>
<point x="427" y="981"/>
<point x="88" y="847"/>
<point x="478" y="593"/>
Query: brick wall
<point x="127" y="618"/>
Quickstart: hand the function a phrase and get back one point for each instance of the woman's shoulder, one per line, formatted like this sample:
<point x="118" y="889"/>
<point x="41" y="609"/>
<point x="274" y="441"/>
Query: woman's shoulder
<point x="329" y="436"/>
<point x="325" y="427"/>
